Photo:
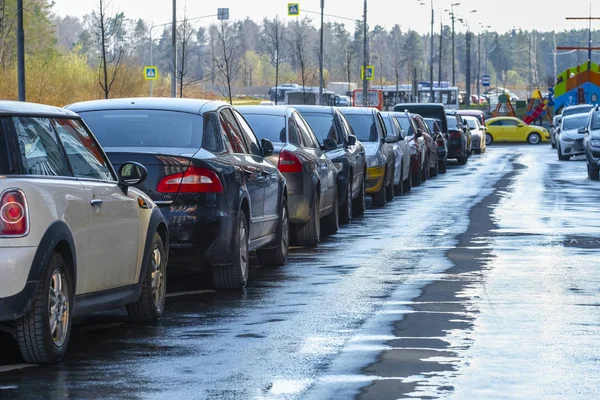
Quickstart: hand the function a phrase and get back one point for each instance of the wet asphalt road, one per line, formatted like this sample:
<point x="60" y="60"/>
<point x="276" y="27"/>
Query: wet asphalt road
<point x="483" y="283"/>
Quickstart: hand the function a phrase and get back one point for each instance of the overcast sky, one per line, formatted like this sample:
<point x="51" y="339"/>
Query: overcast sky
<point x="501" y="15"/>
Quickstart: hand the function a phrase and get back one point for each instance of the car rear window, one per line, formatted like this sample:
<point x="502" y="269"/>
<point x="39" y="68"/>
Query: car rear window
<point x="363" y="126"/>
<point x="265" y="126"/>
<point x="145" y="128"/>
<point x="322" y="125"/>
<point x="406" y="125"/>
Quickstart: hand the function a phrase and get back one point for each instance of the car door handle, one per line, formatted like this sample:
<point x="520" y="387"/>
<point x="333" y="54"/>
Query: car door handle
<point x="96" y="202"/>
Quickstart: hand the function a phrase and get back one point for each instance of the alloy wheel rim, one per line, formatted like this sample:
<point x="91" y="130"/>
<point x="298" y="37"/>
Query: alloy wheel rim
<point x="488" y="139"/>
<point x="243" y="251"/>
<point x="158" y="277"/>
<point x="534" y="139"/>
<point x="58" y="312"/>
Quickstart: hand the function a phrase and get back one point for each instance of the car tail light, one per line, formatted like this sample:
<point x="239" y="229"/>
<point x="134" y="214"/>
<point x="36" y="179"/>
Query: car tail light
<point x="13" y="214"/>
<point x="193" y="180"/>
<point x="289" y="162"/>
<point x="454" y="135"/>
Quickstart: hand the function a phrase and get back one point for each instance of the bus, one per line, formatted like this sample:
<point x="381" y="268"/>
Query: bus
<point x="308" y="96"/>
<point x="374" y="100"/>
<point x="448" y="96"/>
<point x="393" y="95"/>
<point x="277" y="93"/>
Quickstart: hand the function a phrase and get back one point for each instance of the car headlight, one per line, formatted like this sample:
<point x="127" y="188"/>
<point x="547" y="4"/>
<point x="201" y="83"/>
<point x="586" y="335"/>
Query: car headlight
<point x="595" y="143"/>
<point x="567" y="140"/>
<point x="338" y="165"/>
<point x="372" y="162"/>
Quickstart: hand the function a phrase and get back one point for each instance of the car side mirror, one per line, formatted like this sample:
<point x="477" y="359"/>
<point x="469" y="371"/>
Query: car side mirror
<point x="132" y="173"/>
<point x="582" y="130"/>
<point x="519" y="125"/>
<point x="267" y="147"/>
<point x="329" y="144"/>
<point x="391" y="139"/>
<point x="351" y="140"/>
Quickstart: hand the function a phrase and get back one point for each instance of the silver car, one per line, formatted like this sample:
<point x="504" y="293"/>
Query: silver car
<point x="310" y="175"/>
<point x="401" y="150"/>
<point x="567" y="111"/>
<point x="477" y="134"/>
<point x="569" y="141"/>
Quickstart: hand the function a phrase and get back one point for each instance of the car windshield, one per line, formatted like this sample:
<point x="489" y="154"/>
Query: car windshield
<point x="321" y="124"/>
<point x="472" y="123"/>
<point x="363" y="126"/>
<point x="577" y="110"/>
<point x="596" y="121"/>
<point x="452" y="123"/>
<point x="575" y="122"/>
<point x="270" y="127"/>
<point x="406" y="125"/>
<point x="145" y="128"/>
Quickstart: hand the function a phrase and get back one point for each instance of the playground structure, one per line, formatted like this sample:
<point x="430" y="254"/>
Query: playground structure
<point x="537" y="108"/>
<point x="504" y="107"/>
<point x="579" y="85"/>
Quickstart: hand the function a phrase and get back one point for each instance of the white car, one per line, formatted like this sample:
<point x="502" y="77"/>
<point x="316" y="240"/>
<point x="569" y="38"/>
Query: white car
<point x="477" y="134"/>
<point x="75" y="237"/>
<point x="401" y="151"/>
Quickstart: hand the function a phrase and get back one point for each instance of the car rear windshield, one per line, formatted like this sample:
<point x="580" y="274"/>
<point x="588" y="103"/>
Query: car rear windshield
<point x="452" y="123"/>
<point x="145" y="128"/>
<point x="406" y="125"/>
<point x="575" y="122"/>
<point x="321" y="124"/>
<point x="363" y="126"/>
<point x="577" y="110"/>
<point x="265" y="126"/>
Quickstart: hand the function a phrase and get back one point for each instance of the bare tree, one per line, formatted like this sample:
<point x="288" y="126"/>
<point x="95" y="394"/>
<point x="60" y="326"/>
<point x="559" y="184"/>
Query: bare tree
<point x="227" y="57"/>
<point x="273" y="33"/>
<point x="185" y="33"/>
<point x="109" y="33"/>
<point x="396" y="49"/>
<point x="299" y="35"/>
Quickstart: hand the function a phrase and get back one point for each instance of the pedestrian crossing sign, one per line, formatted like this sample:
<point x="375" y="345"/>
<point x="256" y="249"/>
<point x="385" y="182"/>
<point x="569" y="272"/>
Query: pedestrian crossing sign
<point x="367" y="72"/>
<point x="294" y="9"/>
<point x="151" y="73"/>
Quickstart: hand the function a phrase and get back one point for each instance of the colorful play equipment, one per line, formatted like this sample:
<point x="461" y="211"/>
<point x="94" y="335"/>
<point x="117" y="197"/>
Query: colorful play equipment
<point x="537" y="108"/>
<point x="579" y="85"/>
<point x="504" y="108"/>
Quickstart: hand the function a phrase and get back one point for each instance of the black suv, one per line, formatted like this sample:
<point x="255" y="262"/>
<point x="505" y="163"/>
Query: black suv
<point x="208" y="174"/>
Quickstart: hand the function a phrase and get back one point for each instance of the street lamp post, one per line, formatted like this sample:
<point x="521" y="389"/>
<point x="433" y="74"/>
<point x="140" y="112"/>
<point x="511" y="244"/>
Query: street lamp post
<point x="431" y="58"/>
<point x="321" y="77"/>
<point x="365" y="59"/>
<point x="453" y="53"/>
<point x="174" y="50"/>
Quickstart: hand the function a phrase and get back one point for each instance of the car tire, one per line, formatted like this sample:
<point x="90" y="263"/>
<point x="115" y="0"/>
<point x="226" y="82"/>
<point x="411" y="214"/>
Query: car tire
<point x="416" y="179"/>
<point x="346" y="208"/>
<point x="435" y="170"/>
<point x="408" y="184"/>
<point x="235" y="275"/>
<point x="462" y="160"/>
<point x="478" y="151"/>
<point x="534" y="138"/>
<point x="277" y="256"/>
<point x="489" y="139"/>
<point x="389" y="191"/>
<point x="562" y="157"/>
<point x="553" y="145"/>
<point x="332" y="222"/>
<point x="151" y="303"/>
<point x="360" y="203"/>
<point x="443" y="167"/>
<point x="594" y="173"/>
<point x="309" y="234"/>
<point x="39" y="342"/>
<point x="380" y="198"/>
<point x="399" y="188"/>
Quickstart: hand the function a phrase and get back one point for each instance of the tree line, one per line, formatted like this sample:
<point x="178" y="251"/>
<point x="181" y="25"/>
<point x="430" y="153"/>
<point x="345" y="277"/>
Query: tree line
<point x="101" y="54"/>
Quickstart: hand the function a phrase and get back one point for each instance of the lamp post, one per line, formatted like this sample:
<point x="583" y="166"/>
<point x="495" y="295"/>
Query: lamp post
<point x="453" y="54"/>
<point x="365" y="59"/>
<point x="431" y="53"/>
<point x="321" y="78"/>
<point x="174" y="51"/>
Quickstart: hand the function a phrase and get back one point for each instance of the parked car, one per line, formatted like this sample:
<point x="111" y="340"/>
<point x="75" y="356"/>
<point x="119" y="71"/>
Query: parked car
<point x="417" y="148"/>
<point x="209" y="175"/>
<point x="369" y="128"/>
<point x="459" y="138"/>
<point x="434" y="126"/>
<point x="75" y="237"/>
<point x="477" y="134"/>
<point x="348" y="157"/>
<point x="401" y="152"/>
<point x="565" y="112"/>
<point x="310" y="175"/>
<point x="554" y="129"/>
<point x="473" y="113"/>
<point x="569" y="141"/>
<point x="511" y="129"/>
<point x="432" y="163"/>
<point x="591" y="144"/>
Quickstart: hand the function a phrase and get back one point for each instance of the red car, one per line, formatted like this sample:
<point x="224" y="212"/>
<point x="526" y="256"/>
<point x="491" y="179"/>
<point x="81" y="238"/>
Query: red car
<point x="418" y="147"/>
<point x="432" y="164"/>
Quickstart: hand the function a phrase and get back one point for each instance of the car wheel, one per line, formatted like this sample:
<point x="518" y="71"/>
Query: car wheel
<point x="43" y="333"/>
<point x="309" y="234"/>
<point x="389" y="190"/>
<point x="462" y="160"/>
<point x="594" y="174"/>
<point x="380" y="198"/>
<point x="408" y="183"/>
<point x="416" y="179"/>
<point x="346" y="209"/>
<point x="151" y="303"/>
<point x="562" y="157"/>
<point x="553" y="145"/>
<point x="277" y="256"/>
<point x="332" y="221"/>
<point x="478" y="151"/>
<point x="534" y="138"/>
<point x="488" y="139"/>
<point x="360" y="203"/>
<point x="443" y="167"/>
<point x="235" y="275"/>
<point x="435" y="170"/>
<point x="399" y="188"/>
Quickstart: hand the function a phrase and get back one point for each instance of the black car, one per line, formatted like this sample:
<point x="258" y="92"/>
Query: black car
<point x="591" y="144"/>
<point x="348" y="157"/>
<point x="208" y="173"/>
<point x="441" y="138"/>
<point x="369" y="127"/>
<point x="459" y="138"/>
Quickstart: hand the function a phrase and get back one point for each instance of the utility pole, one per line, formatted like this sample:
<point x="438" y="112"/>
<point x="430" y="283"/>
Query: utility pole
<point x="453" y="54"/>
<point x="468" y="99"/>
<point x="365" y="60"/>
<point x="431" y="58"/>
<point x="174" y="50"/>
<point x="478" y="67"/>
<point x="440" y="60"/>
<point x="321" y="78"/>
<point x="20" y="51"/>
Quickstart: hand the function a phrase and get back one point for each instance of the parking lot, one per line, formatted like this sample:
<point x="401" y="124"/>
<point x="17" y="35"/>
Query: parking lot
<point x="484" y="280"/>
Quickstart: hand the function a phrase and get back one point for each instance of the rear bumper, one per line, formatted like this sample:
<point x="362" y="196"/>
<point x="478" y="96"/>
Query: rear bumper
<point x="16" y="291"/>
<point x="300" y="197"/>
<point x="456" y="150"/>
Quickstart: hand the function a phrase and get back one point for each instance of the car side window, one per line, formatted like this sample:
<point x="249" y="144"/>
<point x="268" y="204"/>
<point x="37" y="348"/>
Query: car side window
<point x="381" y="127"/>
<point x="232" y="131"/>
<point x="249" y="135"/>
<point x="83" y="153"/>
<point x="308" y="136"/>
<point x="294" y="133"/>
<point x="346" y="129"/>
<point x="509" y="122"/>
<point x="496" y="123"/>
<point x="41" y="153"/>
<point x="211" y="137"/>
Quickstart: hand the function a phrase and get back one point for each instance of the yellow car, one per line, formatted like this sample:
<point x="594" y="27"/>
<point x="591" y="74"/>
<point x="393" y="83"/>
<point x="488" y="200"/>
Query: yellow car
<point x="510" y="129"/>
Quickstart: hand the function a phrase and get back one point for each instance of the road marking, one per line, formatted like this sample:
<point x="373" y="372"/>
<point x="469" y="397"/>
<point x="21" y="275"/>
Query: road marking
<point x="177" y="294"/>
<point x="8" y="368"/>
